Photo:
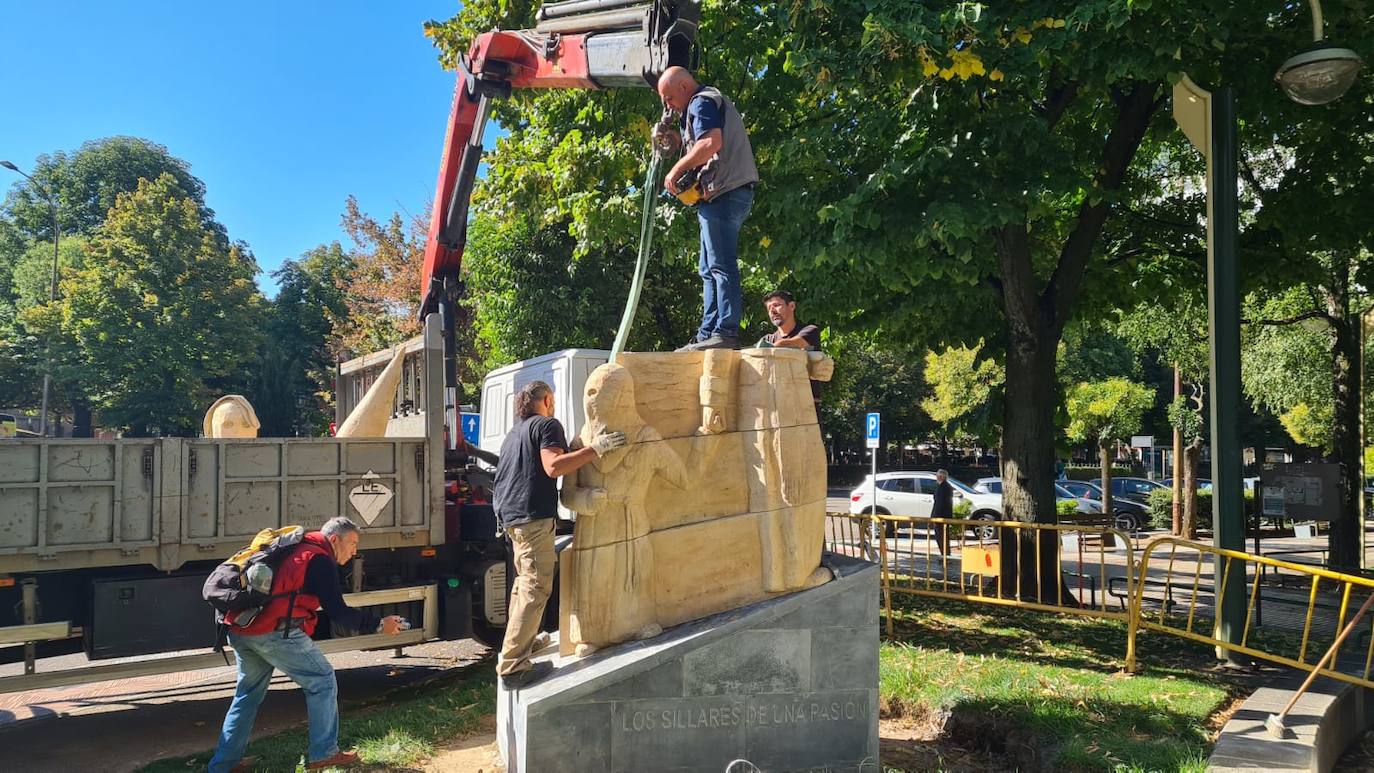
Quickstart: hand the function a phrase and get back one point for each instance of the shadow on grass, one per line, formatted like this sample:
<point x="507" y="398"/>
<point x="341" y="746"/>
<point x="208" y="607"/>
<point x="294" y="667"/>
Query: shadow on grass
<point x="1042" y="691"/>
<point x="395" y="733"/>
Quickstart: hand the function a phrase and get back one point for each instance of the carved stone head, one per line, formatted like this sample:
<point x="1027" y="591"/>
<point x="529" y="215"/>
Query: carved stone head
<point x="231" y="416"/>
<point x="610" y="402"/>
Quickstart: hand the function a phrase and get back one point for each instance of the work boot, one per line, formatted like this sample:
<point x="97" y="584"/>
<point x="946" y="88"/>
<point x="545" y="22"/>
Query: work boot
<point x="690" y="346"/>
<point x="522" y="679"/>
<point x="339" y="760"/>
<point x="245" y="765"/>
<point x="714" y="342"/>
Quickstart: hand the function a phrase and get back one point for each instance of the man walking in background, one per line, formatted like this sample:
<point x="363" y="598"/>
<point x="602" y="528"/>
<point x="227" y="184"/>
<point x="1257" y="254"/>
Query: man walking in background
<point x="943" y="507"/>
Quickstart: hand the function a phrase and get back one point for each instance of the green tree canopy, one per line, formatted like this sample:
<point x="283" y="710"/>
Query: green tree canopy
<point x="1106" y="411"/>
<point x="294" y="376"/>
<point x="87" y="183"/>
<point x="163" y="309"/>
<point x="965" y="393"/>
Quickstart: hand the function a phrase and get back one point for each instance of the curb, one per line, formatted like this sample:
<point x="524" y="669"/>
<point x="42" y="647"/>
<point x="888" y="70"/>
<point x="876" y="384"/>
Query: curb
<point x="1328" y="717"/>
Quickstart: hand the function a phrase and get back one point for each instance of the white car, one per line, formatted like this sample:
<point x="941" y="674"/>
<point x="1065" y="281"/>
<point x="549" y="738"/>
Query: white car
<point x="913" y="494"/>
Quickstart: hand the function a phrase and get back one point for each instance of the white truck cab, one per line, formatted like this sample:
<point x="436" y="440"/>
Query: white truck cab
<point x="565" y="371"/>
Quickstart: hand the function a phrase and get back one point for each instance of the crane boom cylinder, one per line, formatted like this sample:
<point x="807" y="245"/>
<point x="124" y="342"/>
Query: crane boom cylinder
<point x="577" y="7"/>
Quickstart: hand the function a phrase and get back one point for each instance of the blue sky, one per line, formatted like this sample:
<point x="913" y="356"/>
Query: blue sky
<point x="282" y="108"/>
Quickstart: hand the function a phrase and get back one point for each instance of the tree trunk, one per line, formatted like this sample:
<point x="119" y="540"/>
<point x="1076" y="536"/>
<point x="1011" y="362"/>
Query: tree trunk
<point x="1191" y="454"/>
<point x="1344" y="536"/>
<point x="1028" y="461"/>
<point x="1105" y="458"/>
<point x="81" y="418"/>
<point x="1176" y="506"/>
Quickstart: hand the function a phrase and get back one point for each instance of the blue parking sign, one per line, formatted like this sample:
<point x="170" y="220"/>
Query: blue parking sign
<point x="472" y="427"/>
<point x="872" y="430"/>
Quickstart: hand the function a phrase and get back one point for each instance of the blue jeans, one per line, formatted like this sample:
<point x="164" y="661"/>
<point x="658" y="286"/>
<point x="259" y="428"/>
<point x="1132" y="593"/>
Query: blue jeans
<point x="297" y="657"/>
<point x="718" y="265"/>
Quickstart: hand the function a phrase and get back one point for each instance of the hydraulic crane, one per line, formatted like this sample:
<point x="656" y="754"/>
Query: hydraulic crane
<point x="576" y="44"/>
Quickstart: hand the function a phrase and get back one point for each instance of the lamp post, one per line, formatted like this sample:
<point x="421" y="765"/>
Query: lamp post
<point x="1316" y="76"/>
<point x="52" y="289"/>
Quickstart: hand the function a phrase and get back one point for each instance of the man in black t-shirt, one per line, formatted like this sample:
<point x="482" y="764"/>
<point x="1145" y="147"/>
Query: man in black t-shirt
<point x="782" y="312"/>
<point x="533" y="456"/>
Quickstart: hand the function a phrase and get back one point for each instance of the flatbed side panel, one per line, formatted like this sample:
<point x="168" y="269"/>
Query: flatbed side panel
<point x="239" y="487"/>
<point x="63" y="502"/>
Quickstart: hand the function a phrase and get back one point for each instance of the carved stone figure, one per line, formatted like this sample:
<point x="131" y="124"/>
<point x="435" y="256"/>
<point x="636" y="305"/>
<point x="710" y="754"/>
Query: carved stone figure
<point x="231" y="416"/>
<point x="717" y="501"/>
<point x="611" y="561"/>
<point x="369" y="418"/>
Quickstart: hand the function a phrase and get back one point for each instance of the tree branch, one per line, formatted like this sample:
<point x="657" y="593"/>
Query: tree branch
<point x="1303" y="317"/>
<point x="1135" y="108"/>
<point x="1056" y="103"/>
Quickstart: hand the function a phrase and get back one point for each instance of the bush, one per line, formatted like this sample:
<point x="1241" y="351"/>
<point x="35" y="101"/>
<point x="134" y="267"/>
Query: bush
<point x="1161" y="508"/>
<point x="963" y="508"/>
<point x="1066" y="507"/>
<point x="1161" y="504"/>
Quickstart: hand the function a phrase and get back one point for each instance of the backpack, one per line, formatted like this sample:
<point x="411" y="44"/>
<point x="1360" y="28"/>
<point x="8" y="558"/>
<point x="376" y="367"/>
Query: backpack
<point x="227" y="588"/>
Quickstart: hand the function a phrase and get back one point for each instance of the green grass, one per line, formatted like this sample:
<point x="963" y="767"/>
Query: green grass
<point x="1054" y="681"/>
<point x="399" y="731"/>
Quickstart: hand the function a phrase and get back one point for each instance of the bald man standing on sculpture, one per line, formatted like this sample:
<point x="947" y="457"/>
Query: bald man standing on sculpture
<point x="714" y="140"/>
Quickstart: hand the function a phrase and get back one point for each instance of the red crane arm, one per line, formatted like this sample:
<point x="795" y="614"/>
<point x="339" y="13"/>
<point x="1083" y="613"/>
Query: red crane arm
<point x="576" y="44"/>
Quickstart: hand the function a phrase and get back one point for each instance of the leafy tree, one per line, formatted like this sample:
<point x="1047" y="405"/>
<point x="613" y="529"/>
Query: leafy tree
<point x="872" y="377"/>
<point x="933" y="173"/>
<point x="965" y="393"/>
<point x="85" y="184"/>
<point x="1106" y="412"/>
<point x="382" y="289"/>
<point x="163" y="308"/>
<point x="530" y="295"/>
<point x="88" y="181"/>
<point x="294" y="379"/>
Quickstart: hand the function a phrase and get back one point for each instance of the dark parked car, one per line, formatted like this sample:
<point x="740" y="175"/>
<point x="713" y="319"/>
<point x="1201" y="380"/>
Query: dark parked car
<point x="1131" y="514"/>
<point x="1203" y="484"/>
<point x="1135" y="488"/>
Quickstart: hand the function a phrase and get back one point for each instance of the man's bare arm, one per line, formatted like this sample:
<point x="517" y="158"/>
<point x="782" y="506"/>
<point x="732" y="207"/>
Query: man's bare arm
<point x="559" y="462"/>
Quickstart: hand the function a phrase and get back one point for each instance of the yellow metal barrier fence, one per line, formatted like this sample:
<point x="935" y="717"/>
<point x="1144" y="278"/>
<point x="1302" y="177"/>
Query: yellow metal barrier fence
<point x="1168" y="590"/>
<point x="1071" y="568"/>
<point x="1176" y="575"/>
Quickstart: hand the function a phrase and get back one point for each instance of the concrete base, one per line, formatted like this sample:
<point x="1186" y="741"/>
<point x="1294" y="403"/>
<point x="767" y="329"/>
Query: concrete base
<point x="786" y="684"/>
<point x="1326" y="719"/>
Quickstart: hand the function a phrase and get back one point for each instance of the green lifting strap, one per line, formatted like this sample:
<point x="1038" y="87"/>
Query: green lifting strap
<point x="646" y="240"/>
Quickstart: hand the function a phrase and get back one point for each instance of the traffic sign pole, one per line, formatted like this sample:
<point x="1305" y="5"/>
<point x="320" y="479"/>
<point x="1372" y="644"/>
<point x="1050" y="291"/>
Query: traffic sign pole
<point x="872" y="434"/>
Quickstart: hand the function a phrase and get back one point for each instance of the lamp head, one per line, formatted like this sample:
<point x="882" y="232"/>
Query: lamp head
<point x="1319" y="75"/>
<point x="9" y="166"/>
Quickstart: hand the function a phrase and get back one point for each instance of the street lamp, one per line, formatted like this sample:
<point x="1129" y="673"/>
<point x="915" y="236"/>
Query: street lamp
<point x="1208" y="118"/>
<point x="1322" y="73"/>
<point x="52" y="289"/>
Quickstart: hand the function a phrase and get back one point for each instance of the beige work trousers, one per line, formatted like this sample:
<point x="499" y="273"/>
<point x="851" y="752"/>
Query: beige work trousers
<point x="534" y="565"/>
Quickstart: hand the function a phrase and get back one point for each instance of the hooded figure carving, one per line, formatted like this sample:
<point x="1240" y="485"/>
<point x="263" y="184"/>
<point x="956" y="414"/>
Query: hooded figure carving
<point x="611" y="562"/>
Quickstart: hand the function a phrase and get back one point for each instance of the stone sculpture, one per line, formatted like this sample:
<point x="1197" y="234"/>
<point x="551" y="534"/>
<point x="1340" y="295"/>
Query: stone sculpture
<point x="370" y="417"/>
<point x="717" y="501"/>
<point x="231" y="416"/>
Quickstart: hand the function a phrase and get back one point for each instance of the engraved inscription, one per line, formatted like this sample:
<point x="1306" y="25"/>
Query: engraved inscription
<point x="749" y="715"/>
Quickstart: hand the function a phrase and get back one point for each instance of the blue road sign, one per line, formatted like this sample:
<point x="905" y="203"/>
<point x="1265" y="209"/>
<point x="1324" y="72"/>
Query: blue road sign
<point x="872" y="430"/>
<point x="472" y="426"/>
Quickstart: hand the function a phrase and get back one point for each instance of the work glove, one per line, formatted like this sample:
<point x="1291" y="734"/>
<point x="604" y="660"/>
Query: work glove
<point x="607" y="442"/>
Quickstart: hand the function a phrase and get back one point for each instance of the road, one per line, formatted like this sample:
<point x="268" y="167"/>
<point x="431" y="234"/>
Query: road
<point x="120" y="726"/>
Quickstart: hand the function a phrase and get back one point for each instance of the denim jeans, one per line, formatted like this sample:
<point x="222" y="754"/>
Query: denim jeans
<point x="721" y="218"/>
<point x="298" y="658"/>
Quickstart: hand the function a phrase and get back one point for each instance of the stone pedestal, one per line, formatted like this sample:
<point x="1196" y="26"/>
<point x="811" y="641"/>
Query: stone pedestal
<point x="790" y="683"/>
